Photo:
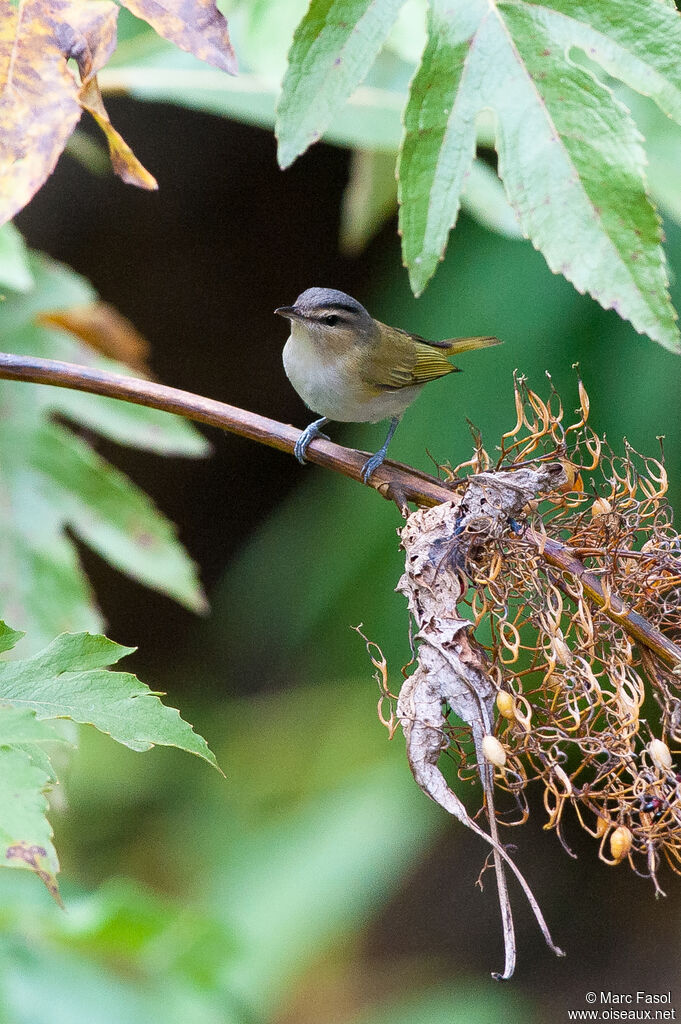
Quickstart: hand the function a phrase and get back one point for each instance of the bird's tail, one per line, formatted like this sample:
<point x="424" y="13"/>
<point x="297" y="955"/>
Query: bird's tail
<point x="453" y="346"/>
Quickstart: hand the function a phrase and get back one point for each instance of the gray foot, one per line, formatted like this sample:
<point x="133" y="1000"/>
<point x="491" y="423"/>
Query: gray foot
<point x="371" y="464"/>
<point x="307" y="436"/>
<point x="377" y="460"/>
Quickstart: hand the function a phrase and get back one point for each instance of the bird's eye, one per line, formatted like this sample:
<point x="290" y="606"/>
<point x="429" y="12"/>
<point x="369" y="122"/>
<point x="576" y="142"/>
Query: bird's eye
<point x="331" y="319"/>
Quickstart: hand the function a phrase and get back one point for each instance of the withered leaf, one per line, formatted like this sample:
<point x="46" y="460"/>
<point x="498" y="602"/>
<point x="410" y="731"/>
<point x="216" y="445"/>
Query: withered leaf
<point x="194" y="25"/>
<point x="40" y="99"/>
<point x="38" y="102"/>
<point x="87" y="33"/>
<point x="123" y="160"/>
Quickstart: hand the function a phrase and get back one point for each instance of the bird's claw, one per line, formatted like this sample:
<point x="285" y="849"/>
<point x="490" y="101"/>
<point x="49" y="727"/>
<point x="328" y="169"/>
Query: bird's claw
<point x="304" y="441"/>
<point x="372" y="464"/>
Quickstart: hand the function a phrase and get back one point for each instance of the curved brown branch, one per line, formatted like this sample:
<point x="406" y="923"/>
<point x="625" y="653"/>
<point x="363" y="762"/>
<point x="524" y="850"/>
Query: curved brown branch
<point x="636" y="626"/>
<point x="394" y="481"/>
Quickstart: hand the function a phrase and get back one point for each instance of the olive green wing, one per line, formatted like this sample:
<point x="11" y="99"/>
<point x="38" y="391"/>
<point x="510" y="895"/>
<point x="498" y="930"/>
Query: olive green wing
<point x="409" y="360"/>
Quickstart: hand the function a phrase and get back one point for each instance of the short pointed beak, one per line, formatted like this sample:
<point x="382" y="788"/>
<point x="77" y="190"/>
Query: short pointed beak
<point x="290" y="312"/>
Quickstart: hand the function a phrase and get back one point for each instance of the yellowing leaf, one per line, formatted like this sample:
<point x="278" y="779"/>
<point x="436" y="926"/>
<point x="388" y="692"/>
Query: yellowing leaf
<point x="123" y="160"/>
<point x="197" y="27"/>
<point x="87" y="32"/>
<point x="103" y="328"/>
<point x="41" y="101"/>
<point x="38" y="103"/>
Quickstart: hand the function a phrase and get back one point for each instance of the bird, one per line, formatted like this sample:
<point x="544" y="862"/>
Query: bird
<point x="347" y="366"/>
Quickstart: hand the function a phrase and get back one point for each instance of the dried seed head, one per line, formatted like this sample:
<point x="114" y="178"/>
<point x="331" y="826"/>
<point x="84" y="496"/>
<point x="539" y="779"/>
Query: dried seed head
<point x="620" y="843"/>
<point x="569" y="681"/>
<point x="600" y="507"/>
<point x="602" y="826"/>
<point x="561" y="774"/>
<point x="574" y="479"/>
<point x="660" y="755"/>
<point x="493" y="751"/>
<point x="506" y="704"/>
<point x="560" y="648"/>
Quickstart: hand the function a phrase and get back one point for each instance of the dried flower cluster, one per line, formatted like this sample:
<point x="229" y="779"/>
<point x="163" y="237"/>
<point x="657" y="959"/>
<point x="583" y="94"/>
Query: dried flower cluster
<point x="545" y="602"/>
<point x="579" y="649"/>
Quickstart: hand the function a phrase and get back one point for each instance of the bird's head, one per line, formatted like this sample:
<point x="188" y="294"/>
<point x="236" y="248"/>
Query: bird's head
<point x="330" y="316"/>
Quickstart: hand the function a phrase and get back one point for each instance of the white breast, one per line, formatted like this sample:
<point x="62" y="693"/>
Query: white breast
<point x="320" y="379"/>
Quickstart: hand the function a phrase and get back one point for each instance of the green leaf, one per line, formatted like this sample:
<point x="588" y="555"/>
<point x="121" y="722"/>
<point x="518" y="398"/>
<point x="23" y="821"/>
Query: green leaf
<point x="20" y="725"/>
<point x="663" y="149"/>
<point x="333" y="48"/>
<point x="69" y="679"/>
<point x="570" y="155"/>
<point x="106" y="510"/>
<point x="23" y="731"/>
<point x="53" y="482"/>
<point x="15" y="272"/>
<point x="25" y="833"/>
<point x="9" y="637"/>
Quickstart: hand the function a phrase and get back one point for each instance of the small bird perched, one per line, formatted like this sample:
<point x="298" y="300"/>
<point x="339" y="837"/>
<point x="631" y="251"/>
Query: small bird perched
<point x="352" y="368"/>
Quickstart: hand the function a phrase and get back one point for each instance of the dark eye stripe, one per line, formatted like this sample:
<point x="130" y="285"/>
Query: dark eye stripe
<point x="331" y="318"/>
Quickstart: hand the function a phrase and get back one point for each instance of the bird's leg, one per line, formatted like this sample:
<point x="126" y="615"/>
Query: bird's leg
<point x="376" y="460"/>
<point x="307" y="436"/>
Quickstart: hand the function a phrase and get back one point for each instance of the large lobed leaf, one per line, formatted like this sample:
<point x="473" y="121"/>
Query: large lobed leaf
<point x="54" y="482"/>
<point x="67" y="680"/>
<point x="570" y="155"/>
<point x="333" y="48"/>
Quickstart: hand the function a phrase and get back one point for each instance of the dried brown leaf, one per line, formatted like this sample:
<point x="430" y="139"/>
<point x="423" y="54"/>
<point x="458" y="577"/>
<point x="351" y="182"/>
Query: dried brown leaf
<point x="194" y="25"/>
<point x="41" y="101"/>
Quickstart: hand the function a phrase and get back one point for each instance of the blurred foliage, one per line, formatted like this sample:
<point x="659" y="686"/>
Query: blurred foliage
<point x="56" y="481"/>
<point x="273" y="873"/>
<point x="67" y="681"/>
<point x="15" y="272"/>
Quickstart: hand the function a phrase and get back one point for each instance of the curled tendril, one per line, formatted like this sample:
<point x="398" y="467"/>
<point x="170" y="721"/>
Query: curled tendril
<point x="578" y="682"/>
